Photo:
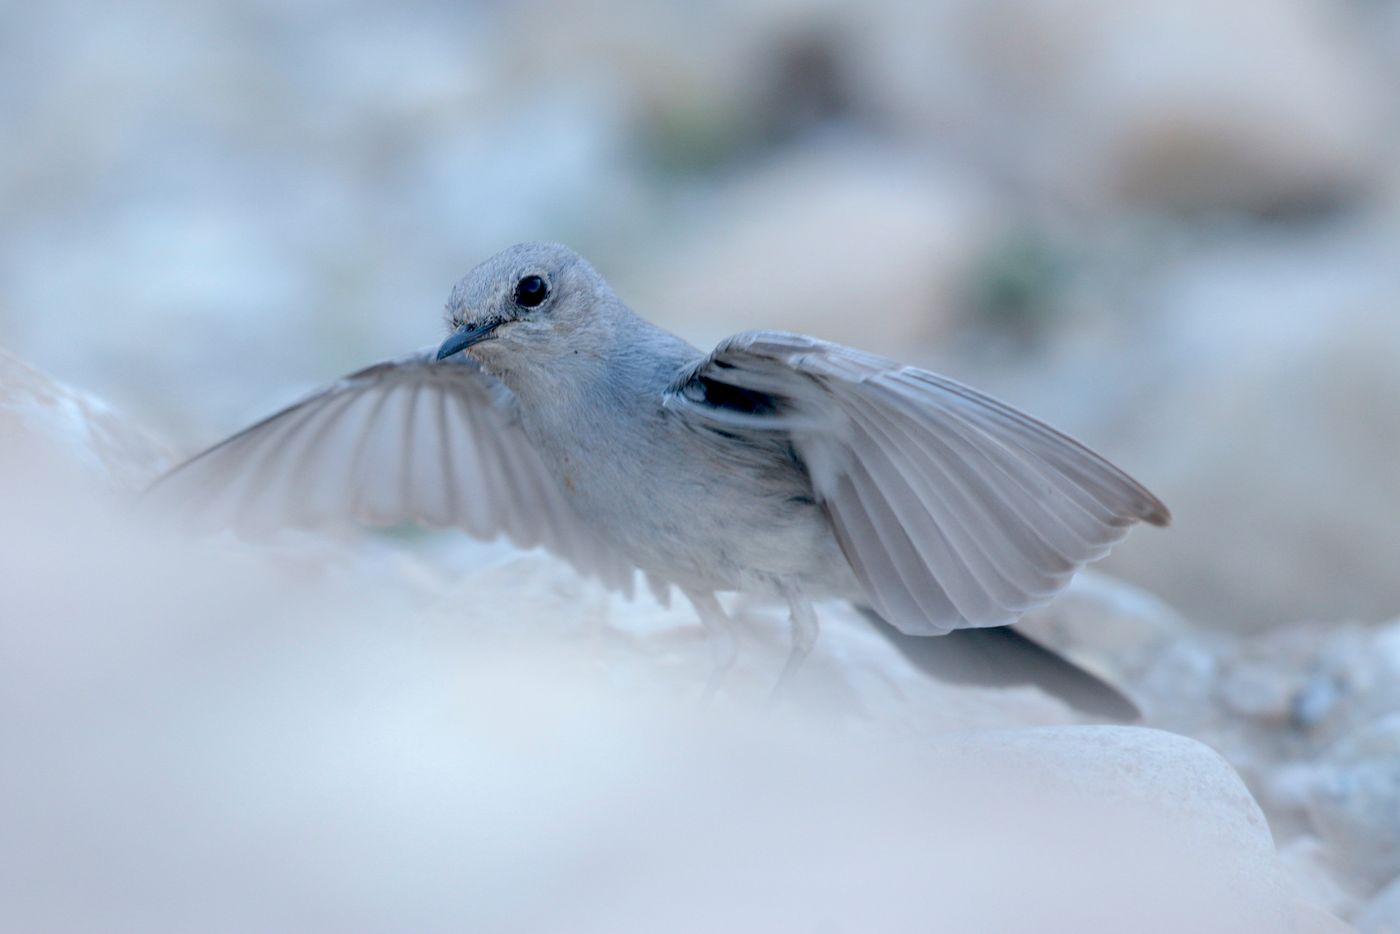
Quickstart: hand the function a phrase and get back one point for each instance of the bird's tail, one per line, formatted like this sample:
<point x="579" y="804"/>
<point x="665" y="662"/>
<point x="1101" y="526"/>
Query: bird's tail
<point x="1004" y="657"/>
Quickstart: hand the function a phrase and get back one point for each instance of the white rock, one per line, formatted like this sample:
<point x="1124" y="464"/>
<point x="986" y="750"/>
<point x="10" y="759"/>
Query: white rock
<point x="1179" y="777"/>
<point x="46" y="426"/>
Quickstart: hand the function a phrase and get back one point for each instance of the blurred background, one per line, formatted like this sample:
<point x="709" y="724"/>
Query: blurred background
<point x="1169" y="227"/>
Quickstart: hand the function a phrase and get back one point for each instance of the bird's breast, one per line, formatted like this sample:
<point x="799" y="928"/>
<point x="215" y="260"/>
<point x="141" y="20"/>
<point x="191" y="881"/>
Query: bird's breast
<point x="692" y="507"/>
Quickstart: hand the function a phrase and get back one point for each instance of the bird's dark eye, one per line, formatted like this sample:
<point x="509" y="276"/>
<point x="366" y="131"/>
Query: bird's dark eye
<point x="531" y="291"/>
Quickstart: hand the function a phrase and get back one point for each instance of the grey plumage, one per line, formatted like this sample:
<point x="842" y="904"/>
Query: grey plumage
<point x="777" y="464"/>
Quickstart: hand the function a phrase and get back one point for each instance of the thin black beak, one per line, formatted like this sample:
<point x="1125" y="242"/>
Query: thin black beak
<point x="465" y="336"/>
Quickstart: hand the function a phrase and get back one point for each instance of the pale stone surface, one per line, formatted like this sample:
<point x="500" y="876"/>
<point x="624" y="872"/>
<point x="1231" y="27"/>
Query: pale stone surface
<point x="47" y="426"/>
<point x="1181" y="779"/>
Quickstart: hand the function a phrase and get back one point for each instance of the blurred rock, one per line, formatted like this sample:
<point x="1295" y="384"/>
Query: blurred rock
<point x="1111" y="626"/>
<point x="1350" y="679"/>
<point x="851" y="242"/>
<point x="1356" y="801"/>
<point x="1168" y="666"/>
<point x="1306" y="713"/>
<point x="1258" y="105"/>
<point x="711" y="87"/>
<point x="1314" y="878"/>
<point x="1253" y="690"/>
<point x="46" y="426"/>
<point x="853" y="672"/>
<point x="1176" y="686"/>
<point x="1382" y="914"/>
<point x="1250" y="383"/>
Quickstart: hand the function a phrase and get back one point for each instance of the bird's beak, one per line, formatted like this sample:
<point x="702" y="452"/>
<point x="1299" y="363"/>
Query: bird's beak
<point x="465" y="336"/>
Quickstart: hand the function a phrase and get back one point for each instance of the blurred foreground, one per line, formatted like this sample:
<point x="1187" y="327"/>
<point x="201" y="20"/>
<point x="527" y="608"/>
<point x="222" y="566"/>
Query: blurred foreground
<point x="1169" y="227"/>
<point x="371" y="734"/>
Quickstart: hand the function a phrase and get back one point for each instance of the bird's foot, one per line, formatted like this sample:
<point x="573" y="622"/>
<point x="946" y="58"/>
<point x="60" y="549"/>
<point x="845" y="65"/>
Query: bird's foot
<point x="804" y="636"/>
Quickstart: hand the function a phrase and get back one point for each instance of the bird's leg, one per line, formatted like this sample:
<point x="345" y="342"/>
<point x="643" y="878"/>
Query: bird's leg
<point x="804" y="635"/>
<point x="724" y="645"/>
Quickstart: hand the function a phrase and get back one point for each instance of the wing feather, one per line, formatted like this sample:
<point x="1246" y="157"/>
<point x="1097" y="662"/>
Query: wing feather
<point x="869" y="537"/>
<point x="410" y="440"/>
<point x="944" y="492"/>
<point x="991" y="485"/>
<point x="953" y="509"/>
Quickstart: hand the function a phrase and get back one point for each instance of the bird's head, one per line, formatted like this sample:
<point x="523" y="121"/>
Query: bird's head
<point x="529" y="307"/>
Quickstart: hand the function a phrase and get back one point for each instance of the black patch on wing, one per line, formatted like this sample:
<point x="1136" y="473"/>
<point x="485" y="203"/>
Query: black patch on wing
<point x="723" y="395"/>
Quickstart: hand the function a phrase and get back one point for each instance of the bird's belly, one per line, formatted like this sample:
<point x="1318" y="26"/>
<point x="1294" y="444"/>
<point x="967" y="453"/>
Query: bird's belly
<point x="714" y="529"/>
<point x="754" y="550"/>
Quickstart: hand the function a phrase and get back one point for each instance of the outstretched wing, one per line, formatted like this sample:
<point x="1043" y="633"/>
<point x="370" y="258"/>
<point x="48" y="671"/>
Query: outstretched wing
<point x="953" y="509"/>
<point x="408" y="440"/>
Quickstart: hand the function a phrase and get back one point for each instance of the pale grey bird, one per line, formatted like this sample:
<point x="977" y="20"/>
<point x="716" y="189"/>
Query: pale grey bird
<point x="778" y="464"/>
